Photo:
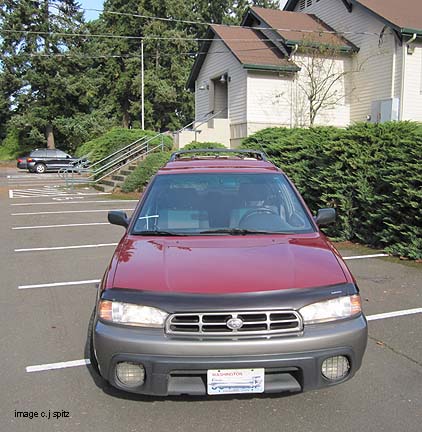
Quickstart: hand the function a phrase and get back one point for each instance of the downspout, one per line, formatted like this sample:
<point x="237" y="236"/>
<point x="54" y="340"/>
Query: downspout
<point x="296" y="47"/>
<point x="393" y="68"/>
<point x="403" y="72"/>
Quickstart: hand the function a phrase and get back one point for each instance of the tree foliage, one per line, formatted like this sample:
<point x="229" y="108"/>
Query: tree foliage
<point x="61" y="81"/>
<point x="47" y="82"/>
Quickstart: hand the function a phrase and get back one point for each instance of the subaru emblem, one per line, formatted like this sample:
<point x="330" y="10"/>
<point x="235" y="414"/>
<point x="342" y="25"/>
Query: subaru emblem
<point x="234" y="323"/>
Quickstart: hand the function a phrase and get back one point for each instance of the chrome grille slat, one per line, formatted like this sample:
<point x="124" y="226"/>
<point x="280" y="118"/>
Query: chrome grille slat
<point x="258" y="323"/>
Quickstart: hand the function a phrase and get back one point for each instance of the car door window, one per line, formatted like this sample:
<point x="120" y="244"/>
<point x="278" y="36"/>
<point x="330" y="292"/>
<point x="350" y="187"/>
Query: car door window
<point x="61" y="154"/>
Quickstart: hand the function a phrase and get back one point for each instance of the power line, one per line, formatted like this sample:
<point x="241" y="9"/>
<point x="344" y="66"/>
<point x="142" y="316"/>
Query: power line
<point x="203" y="23"/>
<point x="112" y="36"/>
<point x="195" y="39"/>
<point x="190" y="54"/>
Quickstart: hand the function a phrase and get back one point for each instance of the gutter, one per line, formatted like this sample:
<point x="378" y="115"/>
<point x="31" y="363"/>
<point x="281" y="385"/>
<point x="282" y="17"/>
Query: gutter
<point x="403" y="72"/>
<point x="341" y="48"/>
<point x="272" y="68"/>
<point x="410" y="31"/>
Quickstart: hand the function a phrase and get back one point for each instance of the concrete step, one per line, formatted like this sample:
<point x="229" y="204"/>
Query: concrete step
<point x="108" y="182"/>
<point x="118" y="177"/>
<point x="103" y="188"/>
<point x="125" y="172"/>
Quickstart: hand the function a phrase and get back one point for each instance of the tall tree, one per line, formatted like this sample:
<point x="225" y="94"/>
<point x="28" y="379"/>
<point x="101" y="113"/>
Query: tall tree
<point x="36" y="44"/>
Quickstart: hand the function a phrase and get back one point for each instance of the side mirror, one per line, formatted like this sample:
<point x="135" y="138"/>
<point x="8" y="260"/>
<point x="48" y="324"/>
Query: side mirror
<point x="117" y="217"/>
<point x="325" y="217"/>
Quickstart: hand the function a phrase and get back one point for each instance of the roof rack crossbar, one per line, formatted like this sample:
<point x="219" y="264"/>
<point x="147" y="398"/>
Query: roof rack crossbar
<point x="256" y="153"/>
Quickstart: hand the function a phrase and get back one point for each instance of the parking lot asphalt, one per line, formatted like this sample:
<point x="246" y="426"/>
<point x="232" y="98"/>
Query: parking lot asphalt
<point x="48" y="324"/>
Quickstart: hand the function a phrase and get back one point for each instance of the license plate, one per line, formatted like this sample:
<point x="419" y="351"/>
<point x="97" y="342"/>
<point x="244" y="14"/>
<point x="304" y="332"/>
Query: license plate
<point x="233" y="381"/>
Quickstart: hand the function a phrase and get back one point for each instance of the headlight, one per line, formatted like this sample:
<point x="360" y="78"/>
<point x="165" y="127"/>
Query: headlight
<point x="131" y="314"/>
<point x="331" y="310"/>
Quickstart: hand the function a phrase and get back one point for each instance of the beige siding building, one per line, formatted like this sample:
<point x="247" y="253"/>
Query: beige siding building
<point x="388" y="34"/>
<point x="262" y="74"/>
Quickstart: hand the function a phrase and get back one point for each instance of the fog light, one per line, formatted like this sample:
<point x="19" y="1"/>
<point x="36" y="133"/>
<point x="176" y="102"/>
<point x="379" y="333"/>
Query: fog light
<point x="335" y="368"/>
<point x="130" y="374"/>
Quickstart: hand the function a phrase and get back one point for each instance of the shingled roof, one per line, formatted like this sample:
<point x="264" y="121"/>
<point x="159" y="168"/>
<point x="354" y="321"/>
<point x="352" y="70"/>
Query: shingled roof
<point x="300" y="28"/>
<point x="250" y="47"/>
<point x="404" y="15"/>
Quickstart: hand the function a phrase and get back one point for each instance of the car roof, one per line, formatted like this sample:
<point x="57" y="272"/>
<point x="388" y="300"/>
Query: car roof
<point x="218" y="164"/>
<point x="221" y="159"/>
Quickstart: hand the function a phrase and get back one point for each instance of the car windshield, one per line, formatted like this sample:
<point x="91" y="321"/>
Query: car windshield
<point x="221" y="203"/>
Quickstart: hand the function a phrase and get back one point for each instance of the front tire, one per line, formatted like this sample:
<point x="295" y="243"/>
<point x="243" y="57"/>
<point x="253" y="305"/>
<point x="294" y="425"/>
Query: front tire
<point x="40" y="168"/>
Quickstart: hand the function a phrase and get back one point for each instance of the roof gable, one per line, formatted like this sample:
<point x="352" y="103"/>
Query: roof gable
<point x="249" y="47"/>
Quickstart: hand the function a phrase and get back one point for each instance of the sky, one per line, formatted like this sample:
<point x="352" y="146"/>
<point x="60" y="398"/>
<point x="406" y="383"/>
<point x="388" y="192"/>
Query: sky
<point x="91" y="4"/>
<point x="98" y="4"/>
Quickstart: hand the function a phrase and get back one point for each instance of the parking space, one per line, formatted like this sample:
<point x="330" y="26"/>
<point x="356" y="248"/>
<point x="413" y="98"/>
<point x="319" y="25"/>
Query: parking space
<point x="52" y="256"/>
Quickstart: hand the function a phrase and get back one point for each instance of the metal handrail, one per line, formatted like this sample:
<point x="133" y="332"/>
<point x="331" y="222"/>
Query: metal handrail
<point x="206" y="119"/>
<point x="138" y="149"/>
<point x="119" y="150"/>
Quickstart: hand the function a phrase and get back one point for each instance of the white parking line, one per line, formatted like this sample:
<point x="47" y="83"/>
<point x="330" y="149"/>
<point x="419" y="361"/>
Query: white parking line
<point x="67" y="212"/>
<point x="60" y="226"/>
<point x="394" y="314"/>
<point x="66" y="247"/>
<point x="60" y="365"/>
<point x="56" y="284"/>
<point x="83" y="362"/>
<point x="365" y="256"/>
<point x="67" y="194"/>
<point x="72" y="202"/>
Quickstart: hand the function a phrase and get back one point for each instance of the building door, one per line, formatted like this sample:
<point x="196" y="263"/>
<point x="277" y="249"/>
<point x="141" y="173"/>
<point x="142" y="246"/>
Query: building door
<point x="220" y="97"/>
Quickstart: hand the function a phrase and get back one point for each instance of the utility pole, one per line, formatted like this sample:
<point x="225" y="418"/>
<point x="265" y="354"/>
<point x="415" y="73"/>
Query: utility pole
<point x="142" y="86"/>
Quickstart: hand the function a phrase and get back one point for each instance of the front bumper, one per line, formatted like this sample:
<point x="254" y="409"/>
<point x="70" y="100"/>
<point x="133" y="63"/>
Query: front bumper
<point x="176" y="366"/>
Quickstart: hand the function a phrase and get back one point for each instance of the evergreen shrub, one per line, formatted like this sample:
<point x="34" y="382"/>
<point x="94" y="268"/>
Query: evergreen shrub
<point x="371" y="173"/>
<point x="115" y="139"/>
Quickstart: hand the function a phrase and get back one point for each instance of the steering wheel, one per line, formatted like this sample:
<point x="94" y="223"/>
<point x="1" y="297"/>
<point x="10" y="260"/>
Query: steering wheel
<point x="258" y="210"/>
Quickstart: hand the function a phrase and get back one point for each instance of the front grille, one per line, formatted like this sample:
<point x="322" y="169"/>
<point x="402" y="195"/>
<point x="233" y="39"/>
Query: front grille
<point x="217" y="323"/>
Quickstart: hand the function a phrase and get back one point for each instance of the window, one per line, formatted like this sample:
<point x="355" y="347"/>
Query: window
<point x="302" y="4"/>
<point x="61" y="154"/>
<point x="308" y="3"/>
<point x="211" y="203"/>
<point x="39" y="154"/>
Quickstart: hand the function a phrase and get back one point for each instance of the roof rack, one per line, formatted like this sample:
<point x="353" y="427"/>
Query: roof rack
<point x="259" y="155"/>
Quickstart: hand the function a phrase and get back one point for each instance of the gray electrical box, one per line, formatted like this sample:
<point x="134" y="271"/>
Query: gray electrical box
<point x="385" y="110"/>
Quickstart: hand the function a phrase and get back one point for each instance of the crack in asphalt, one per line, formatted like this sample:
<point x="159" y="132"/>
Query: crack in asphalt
<point x="396" y="351"/>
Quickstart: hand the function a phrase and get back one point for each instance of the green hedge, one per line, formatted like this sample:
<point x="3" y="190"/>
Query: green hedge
<point x="195" y="145"/>
<point x="140" y="177"/>
<point x="150" y="165"/>
<point x="9" y="148"/>
<point x="371" y="173"/>
<point x="115" y="139"/>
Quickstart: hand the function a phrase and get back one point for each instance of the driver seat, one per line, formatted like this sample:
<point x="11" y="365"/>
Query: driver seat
<point x="250" y="196"/>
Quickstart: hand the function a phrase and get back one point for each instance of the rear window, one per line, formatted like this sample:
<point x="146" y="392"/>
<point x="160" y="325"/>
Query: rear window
<point x="206" y="202"/>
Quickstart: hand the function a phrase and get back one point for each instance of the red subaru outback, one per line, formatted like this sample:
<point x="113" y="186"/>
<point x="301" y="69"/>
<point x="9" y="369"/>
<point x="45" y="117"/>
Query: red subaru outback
<point x="224" y="283"/>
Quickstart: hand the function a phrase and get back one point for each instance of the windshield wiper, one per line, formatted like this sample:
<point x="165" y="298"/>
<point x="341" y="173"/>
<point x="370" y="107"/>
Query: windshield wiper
<point x="239" y="231"/>
<point x="157" y="233"/>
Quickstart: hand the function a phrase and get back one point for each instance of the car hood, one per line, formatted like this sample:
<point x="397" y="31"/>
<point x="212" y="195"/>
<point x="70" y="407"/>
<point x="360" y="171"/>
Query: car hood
<point x="223" y="265"/>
